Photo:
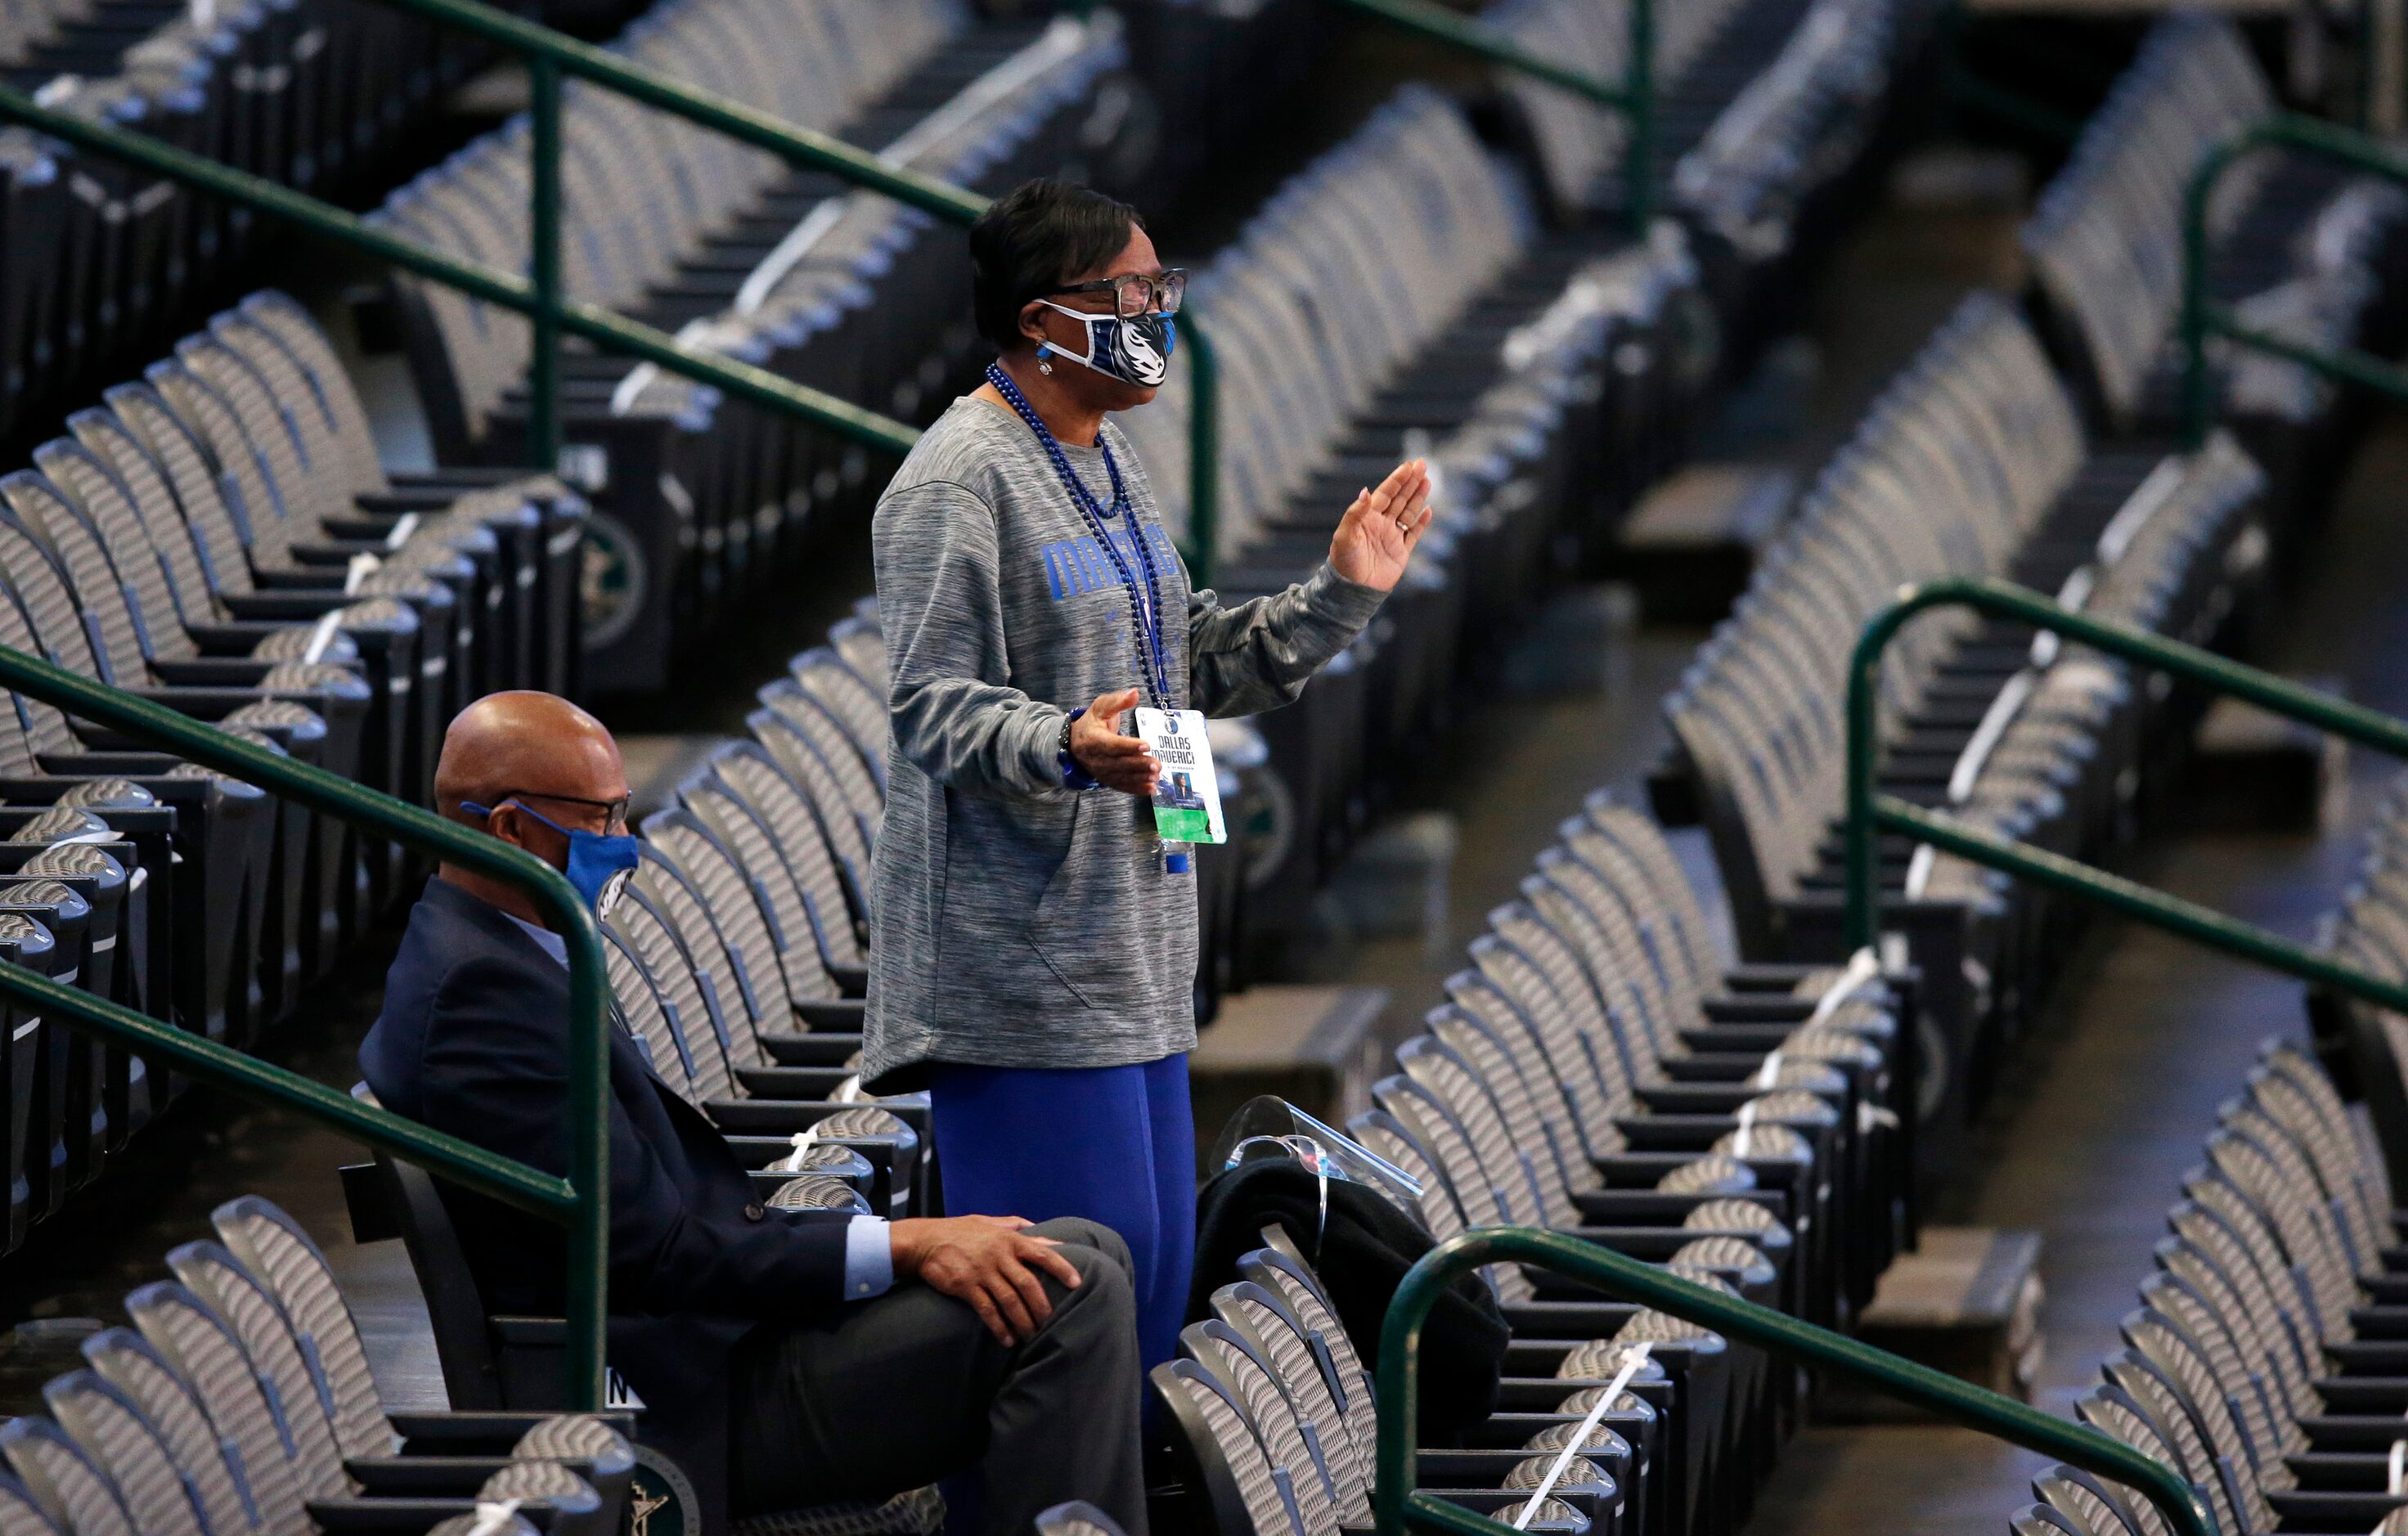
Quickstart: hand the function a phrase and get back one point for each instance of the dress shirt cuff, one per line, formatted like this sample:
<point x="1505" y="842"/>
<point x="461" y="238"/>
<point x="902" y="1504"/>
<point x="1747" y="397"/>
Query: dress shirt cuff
<point x="868" y="1259"/>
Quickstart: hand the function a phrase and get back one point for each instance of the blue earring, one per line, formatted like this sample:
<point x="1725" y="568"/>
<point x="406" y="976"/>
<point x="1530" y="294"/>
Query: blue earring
<point x="1043" y="348"/>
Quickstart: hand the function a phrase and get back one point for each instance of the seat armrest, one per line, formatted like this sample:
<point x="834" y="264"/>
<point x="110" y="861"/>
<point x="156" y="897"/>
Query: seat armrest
<point x="1758" y="1008"/>
<point x="1738" y="1038"/>
<point x="809" y="1050"/>
<point x="1767" y="976"/>
<point x="813" y="1084"/>
<point x="212" y="671"/>
<point x="233" y="639"/>
<point x="505" y="1425"/>
<point x="425" y="1476"/>
<point x="852" y="980"/>
<point x="391" y="505"/>
<point x="831" y="1015"/>
<point x="470" y="476"/>
<point x="113" y="765"/>
<point x="294" y="602"/>
<point x="275" y="579"/>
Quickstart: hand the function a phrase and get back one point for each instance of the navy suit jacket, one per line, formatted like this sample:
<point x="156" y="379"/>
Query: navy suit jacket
<point x="473" y="1042"/>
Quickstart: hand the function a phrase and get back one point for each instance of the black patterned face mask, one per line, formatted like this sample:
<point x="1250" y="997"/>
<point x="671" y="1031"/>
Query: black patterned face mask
<point x="1136" y="352"/>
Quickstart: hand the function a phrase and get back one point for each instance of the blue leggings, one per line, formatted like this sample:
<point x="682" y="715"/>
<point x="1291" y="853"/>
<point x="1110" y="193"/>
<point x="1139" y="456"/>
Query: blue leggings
<point x="1115" y="1145"/>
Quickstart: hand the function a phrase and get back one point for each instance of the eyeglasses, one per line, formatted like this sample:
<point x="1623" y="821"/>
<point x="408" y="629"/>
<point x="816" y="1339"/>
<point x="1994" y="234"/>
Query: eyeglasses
<point x="614" y="813"/>
<point x="1135" y="293"/>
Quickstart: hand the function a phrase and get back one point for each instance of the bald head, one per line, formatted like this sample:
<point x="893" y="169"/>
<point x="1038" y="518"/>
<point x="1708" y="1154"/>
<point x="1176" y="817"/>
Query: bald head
<point x="538" y="749"/>
<point x="526" y="744"/>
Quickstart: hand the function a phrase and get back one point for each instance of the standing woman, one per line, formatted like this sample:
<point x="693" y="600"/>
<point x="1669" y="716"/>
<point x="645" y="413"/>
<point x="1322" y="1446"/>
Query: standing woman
<point x="1033" y="953"/>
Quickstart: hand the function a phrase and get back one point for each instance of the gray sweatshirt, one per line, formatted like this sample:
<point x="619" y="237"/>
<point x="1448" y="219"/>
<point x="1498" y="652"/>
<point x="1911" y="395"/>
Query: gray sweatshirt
<point x="1020" y="924"/>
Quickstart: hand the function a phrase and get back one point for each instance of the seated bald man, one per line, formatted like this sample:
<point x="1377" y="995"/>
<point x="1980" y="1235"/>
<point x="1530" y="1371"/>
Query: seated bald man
<point x="783" y="1358"/>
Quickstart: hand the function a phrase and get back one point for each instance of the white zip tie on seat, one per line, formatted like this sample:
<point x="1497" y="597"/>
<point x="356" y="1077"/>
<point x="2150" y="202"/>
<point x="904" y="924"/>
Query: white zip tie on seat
<point x="494" y="1518"/>
<point x="1632" y="1363"/>
<point x="803" y="1140"/>
<point x="322" y="634"/>
<point x="1863" y="966"/>
<point x="1768" y="1075"/>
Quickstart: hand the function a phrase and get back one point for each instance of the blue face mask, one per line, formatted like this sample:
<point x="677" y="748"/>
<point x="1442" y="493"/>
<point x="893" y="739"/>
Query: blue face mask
<point x="599" y="865"/>
<point x="1135" y="351"/>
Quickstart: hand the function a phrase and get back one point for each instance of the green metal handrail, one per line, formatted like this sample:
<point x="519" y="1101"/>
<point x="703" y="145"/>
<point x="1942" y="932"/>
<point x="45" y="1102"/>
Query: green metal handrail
<point x="492" y="284"/>
<point x="581" y="1201"/>
<point x="1398" y="1507"/>
<point x="551" y="53"/>
<point x="2200" y="318"/>
<point x="1634" y="98"/>
<point x="1870" y="814"/>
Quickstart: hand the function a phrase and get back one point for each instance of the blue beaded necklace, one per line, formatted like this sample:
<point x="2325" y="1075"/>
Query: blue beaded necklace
<point x="1145" y="607"/>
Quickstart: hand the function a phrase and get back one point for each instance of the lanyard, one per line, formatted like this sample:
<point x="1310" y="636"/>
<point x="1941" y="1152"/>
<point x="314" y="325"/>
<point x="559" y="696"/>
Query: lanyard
<point x="1145" y="602"/>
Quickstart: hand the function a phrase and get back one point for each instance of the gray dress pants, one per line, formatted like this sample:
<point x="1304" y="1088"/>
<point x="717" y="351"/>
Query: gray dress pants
<point x="909" y="1388"/>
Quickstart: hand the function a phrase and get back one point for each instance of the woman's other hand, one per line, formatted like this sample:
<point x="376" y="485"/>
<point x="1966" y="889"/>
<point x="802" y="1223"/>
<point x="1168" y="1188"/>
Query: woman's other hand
<point x="1378" y="533"/>
<point x="1125" y="763"/>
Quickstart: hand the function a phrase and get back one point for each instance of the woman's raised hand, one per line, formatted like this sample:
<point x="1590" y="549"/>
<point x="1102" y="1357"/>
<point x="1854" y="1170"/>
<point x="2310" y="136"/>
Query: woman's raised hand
<point x="1381" y="528"/>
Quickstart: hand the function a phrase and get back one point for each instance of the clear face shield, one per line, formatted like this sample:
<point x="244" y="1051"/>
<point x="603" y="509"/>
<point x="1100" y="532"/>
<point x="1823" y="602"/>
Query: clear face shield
<point x="1272" y="1128"/>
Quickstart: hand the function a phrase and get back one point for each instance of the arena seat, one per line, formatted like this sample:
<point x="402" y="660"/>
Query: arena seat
<point x="66" y="633"/>
<point x="316" y="710"/>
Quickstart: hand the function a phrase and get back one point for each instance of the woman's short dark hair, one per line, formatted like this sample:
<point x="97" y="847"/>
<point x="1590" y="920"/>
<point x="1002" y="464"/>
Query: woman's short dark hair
<point x="1030" y="242"/>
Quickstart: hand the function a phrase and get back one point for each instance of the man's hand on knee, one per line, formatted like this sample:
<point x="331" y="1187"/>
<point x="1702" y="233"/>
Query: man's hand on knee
<point x="990" y="1262"/>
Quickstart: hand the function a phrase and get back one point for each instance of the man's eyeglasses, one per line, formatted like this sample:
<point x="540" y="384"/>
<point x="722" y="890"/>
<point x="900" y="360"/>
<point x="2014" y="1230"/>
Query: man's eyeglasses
<point x="614" y="813"/>
<point x="1135" y="293"/>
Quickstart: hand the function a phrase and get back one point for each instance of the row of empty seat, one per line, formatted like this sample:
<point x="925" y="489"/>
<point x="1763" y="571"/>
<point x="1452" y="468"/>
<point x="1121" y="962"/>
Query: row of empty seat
<point x="1972" y="463"/>
<point x="221" y="538"/>
<point x="239" y="1403"/>
<point x="2368" y="930"/>
<point x="2262" y="1365"/>
<point x="1750" y="170"/>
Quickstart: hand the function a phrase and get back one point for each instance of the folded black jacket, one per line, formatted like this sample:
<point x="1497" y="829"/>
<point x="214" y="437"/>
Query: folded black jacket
<point x="1361" y="1256"/>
